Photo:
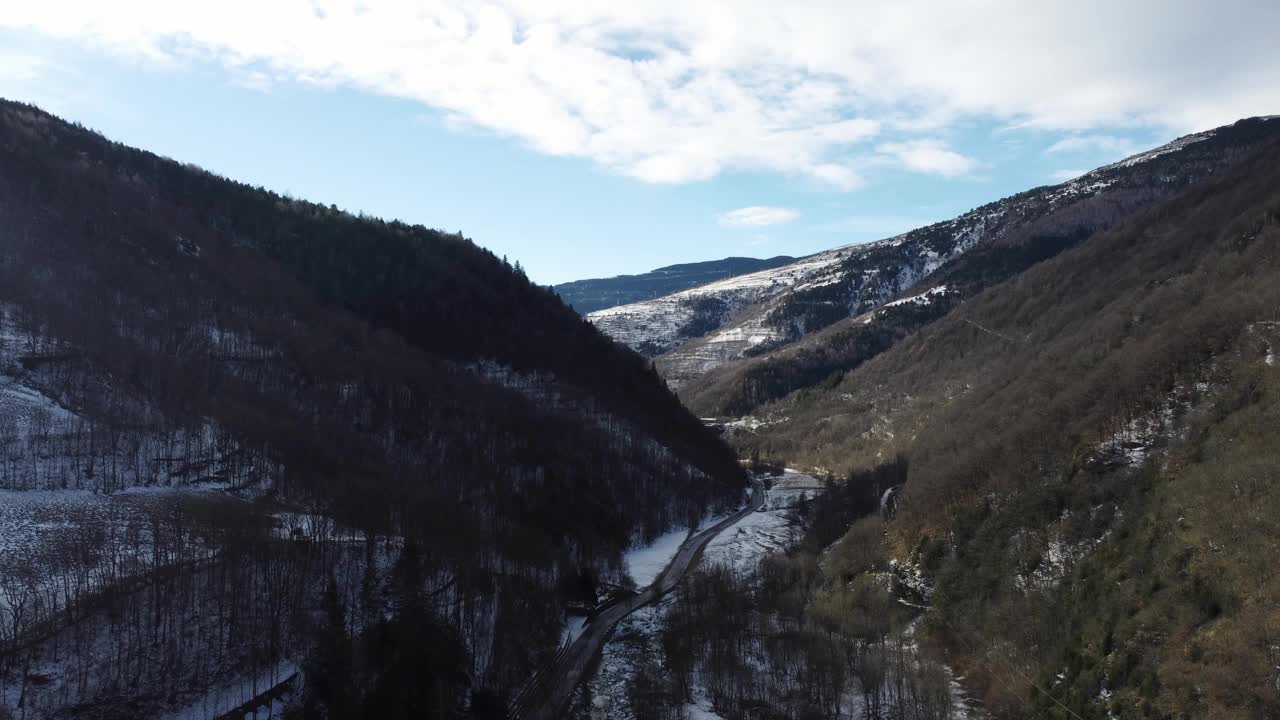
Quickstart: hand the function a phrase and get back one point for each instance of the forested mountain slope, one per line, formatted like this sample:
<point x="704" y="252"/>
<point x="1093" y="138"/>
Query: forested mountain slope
<point x="587" y="296"/>
<point x="1092" y="508"/>
<point x="727" y="352"/>
<point x="315" y="439"/>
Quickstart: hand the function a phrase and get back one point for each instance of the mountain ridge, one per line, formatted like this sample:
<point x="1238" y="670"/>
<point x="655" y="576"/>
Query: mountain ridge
<point x="593" y="294"/>
<point x="726" y="354"/>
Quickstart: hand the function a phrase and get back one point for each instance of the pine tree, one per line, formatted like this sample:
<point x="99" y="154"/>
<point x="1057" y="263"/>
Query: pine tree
<point x="329" y="671"/>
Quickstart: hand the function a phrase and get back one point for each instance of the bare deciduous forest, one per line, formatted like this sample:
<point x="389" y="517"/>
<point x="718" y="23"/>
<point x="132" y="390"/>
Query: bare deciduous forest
<point x="257" y="452"/>
<point x="1089" y="514"/>
<point x="300" y="439"/>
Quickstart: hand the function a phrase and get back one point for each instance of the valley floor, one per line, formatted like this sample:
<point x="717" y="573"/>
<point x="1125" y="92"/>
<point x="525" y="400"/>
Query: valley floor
<point x="637" y="645"/>
<point x="636" y="639"/>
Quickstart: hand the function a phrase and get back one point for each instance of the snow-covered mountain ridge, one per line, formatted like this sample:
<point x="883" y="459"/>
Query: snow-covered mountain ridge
<point x="698" y="330"/>
<point x="655" y="326"/>
<point x="589" y="295"/>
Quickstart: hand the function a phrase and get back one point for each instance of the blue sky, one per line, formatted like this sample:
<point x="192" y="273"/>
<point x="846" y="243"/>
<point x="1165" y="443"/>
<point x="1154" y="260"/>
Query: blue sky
<point x="587" y="143"/>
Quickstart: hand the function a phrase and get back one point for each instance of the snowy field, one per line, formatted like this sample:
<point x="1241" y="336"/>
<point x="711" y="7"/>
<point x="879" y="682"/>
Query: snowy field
<point x="29" y="518"/>
<point x="790" y="487"/>
<point x="24" y="406"/>
<point x="646" y="563"/>
<point x="635" y="640"/>
<point x="745" y="544"/>
<point x="55" y="544"/>
<point x="222" y="700"/>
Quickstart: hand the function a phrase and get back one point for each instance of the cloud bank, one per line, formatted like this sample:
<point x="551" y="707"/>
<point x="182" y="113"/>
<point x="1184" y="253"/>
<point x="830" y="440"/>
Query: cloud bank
<point x="928" y="156"/>
<point x="757" y="216"/>
<point x="674" y="92"/>
<point x="1104" y="144"/>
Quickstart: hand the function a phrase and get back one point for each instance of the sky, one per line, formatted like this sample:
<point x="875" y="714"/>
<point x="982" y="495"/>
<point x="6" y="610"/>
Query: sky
<point x="589" y="139"/>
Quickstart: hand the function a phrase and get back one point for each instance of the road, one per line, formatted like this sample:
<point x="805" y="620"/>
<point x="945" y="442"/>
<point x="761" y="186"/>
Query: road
<point x="548" y="700"/>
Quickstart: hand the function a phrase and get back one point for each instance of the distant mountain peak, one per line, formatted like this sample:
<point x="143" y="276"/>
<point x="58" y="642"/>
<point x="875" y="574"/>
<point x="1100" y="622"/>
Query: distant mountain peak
<point x="587" y="296"/>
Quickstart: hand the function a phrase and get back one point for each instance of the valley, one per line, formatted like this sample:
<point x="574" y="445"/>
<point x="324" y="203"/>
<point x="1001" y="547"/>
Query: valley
<point x="570" y="668"/>
<point x="766" y="528"/>
<point x="261" y="457"/>
<point x="1054" y="389"/>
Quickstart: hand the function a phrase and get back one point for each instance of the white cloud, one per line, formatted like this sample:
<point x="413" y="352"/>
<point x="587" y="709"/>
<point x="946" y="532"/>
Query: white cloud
<point x="837" y="176"/>
<point x="28" y="76"/>
<point x="757" y="216"/>
<point x="928" y="156"/>
<point x="255" y="80"/>
<point x="1108" y="145"/>
<point x="1065" y="175"/>
<point x="21" y="67"/>
<point x="877" y="225"/>
<point x="669" y="91"/>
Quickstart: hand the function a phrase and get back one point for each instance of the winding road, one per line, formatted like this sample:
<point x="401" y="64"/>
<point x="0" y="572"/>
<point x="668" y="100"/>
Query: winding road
<point x="548" y="696"/>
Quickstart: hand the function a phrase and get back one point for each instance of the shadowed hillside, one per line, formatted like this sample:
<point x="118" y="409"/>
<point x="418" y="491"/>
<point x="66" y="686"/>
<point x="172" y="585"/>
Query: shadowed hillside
<point x="363" y="439"/>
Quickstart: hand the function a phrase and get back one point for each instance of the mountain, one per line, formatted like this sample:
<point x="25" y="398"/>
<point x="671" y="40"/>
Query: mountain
<point x="587" y="296"/>
<point x="246" y="435"/>
<point x="732" y="345"/>
<point x="658" y="326"/>
<point x="1089" y="518"/>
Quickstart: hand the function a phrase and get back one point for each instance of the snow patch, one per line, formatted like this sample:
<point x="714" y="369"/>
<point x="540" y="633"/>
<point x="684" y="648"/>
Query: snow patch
<point x="750" y="423"/>
<point x="222" y="700"/>
<point x="1135" y="441"/>
<point x="910" y="577"/>
<point x="1269" y="333"/>
<point x="573" y="626"/>
<point x="634" y="641"/>
<point x="743" y="545"/>
<point x="27" y="406"/>
<point x="645" y="564"/>
<point x="923" y="298"/>
<point x="700" y="708"/>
